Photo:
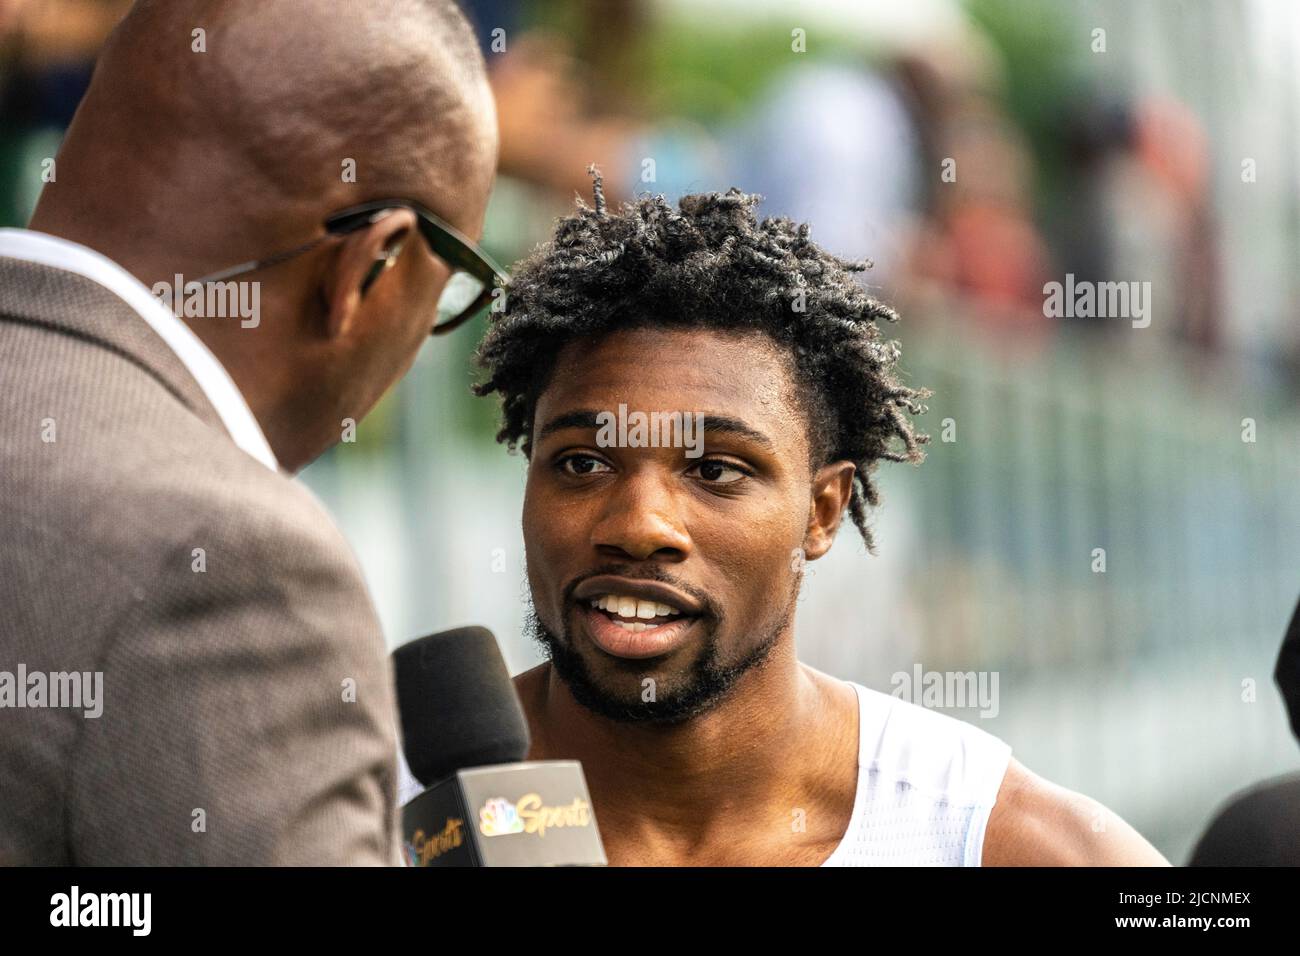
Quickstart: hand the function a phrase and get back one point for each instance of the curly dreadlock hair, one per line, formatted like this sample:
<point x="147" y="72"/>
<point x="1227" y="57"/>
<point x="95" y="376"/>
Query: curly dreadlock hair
<point x="710" y="264"/>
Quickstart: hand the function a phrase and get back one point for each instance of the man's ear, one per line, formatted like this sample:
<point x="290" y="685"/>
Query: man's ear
<point x="360" y="261"/>
<point x="832" y="486"/>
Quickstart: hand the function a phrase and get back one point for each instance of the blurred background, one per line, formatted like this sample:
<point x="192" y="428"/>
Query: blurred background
<point x="974" y="151"/>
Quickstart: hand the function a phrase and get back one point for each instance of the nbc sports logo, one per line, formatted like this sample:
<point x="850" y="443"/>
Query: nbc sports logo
<point x="499" y="817"/>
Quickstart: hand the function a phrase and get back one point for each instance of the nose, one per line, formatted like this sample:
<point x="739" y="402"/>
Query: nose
<point x="642" y="521"/>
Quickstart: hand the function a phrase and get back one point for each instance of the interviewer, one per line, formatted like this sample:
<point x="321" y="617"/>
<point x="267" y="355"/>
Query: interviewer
<point x="151" y="532"/>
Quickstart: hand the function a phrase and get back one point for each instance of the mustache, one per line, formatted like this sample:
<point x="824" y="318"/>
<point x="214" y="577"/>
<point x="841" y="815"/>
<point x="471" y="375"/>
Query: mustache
<point x="648" y="572"/>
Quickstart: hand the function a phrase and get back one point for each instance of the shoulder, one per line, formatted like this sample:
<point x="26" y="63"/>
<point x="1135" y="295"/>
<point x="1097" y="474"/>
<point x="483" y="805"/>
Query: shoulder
<point x="530" y="686"/>
<point x="254" y="552"/>
<point x="213" y="543"/>
<point x="267" y="518"/>
<point x="532" y="680"/>
<point x="208" y="503"/>
<point x="242" y="561"/>
<point x="125" y="470"/>
<point x="1038" y="823"/>
<point x="154" y="507"/>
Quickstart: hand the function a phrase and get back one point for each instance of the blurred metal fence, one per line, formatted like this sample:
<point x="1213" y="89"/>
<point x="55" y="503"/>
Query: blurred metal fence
<point x="1147" y="685"/>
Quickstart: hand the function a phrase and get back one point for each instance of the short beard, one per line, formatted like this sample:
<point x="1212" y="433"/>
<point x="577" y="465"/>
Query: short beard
<point x="706" y="685"/>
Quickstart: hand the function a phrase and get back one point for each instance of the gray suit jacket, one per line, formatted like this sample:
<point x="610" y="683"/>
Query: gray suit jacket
<point x="248" y="712"/>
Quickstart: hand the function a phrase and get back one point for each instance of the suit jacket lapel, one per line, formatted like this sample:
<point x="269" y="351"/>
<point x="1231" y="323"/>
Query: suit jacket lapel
<point x="69" y="303"/>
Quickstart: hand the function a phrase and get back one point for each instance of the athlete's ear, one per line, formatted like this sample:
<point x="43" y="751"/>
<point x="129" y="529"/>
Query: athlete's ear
<point x="832" y="486"/>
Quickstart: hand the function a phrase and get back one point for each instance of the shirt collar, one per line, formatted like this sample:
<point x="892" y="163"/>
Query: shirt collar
<point x="217" y="385"/>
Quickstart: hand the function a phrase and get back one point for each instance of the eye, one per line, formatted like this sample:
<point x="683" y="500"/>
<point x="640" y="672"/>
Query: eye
<point x="579" y="465"/>
<point x="719" y="472"/>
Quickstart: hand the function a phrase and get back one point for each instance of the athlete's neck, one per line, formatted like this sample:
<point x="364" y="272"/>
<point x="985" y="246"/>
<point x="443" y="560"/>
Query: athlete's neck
<point x="778" y="752"/>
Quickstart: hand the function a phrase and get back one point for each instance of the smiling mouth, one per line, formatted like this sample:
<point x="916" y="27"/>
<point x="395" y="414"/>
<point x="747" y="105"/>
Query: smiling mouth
<point x="635" y="614"/>
<point x="629" y="627"/>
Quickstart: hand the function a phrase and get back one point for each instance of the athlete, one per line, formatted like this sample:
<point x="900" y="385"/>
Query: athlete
<point x="664" y="573"/>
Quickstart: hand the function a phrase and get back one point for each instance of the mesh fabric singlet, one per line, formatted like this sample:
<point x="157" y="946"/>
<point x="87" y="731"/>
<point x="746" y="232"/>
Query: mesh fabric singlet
<point x="926" y="784"/>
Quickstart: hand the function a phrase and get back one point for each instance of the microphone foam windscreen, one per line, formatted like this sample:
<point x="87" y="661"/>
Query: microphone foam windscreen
<point x="457" y="703"/>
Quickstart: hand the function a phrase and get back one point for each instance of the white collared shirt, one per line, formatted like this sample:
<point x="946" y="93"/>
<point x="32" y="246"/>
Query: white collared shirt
<point x="212" y="377"/>
<point x="408" y="787"/>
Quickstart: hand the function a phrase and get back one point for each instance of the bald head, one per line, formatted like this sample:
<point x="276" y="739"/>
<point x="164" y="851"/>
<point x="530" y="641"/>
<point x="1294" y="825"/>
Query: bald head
<point x="218" y="132"/>
<point x="227" y="122"/>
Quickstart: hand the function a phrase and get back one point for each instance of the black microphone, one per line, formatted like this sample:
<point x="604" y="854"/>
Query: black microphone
<point x="465" y="738"/>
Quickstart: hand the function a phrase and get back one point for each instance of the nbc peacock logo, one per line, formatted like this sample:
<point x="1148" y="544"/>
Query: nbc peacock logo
<point x="499" y="817"/>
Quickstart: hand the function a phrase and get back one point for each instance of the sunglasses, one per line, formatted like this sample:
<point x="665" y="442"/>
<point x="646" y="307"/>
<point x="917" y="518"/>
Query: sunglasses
<point x="474" y="276"/>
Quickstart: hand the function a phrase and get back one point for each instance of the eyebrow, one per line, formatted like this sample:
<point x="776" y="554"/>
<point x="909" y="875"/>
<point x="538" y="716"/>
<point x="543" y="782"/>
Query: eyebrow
<point x="713" y="424"/>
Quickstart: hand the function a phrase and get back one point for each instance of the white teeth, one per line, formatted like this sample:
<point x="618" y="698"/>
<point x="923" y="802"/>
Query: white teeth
<point x="630" y="607"/>
<point x="636" y="627"/>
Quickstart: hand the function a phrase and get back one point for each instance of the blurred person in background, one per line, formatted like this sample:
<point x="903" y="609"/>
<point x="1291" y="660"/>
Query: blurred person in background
<point x="977" y="243"/>
<point x="558" y="106"/>
<point x="47" y="52"/>
<point x="1261" y="825"/>
<point x="1139" y="174"/>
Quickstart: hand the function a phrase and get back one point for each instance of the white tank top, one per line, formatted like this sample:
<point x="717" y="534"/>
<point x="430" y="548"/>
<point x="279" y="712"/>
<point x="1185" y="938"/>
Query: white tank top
<point x="926" y="784"/>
